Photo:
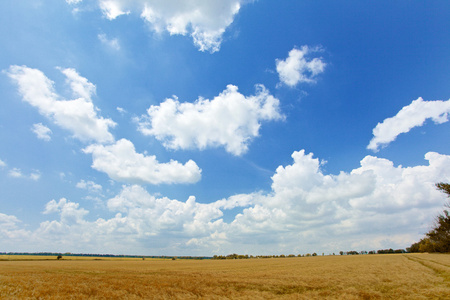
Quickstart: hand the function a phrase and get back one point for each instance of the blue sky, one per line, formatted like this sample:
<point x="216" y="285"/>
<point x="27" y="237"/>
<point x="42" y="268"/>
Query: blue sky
<point x="217" y="127"/>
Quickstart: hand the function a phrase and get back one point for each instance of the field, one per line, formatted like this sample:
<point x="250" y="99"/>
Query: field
<point x="390" y="276"/>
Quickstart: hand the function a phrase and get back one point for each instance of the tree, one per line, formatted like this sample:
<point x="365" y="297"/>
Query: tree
<point x="438" y="238"/>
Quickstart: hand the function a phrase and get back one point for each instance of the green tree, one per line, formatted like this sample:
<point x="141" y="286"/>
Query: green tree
<point x="438" y="238"/>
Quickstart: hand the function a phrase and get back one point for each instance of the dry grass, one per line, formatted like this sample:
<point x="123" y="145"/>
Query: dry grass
<point x="411" y="276"/>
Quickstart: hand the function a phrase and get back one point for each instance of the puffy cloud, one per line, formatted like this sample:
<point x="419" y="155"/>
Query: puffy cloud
<point x="36" y="175"/>
<point x="376" y="205"/>
<point x="17" y="173"/>
<point x="90" y="186"/>
<point x="142" y="222"/>
<point x="70" y="231"/>
<point x="151" y="216"/>
<point x="42" y="131"/>
<point x="8" y="222"/>
<point x="122" y="163"/>
<point x="2" y="164"/>
<point x="230" y="120"/>
<point x="298" y="68"/>
<point x="112" y="9"/>
<point x="410" y="116"/>
<point x="78" y="116"/>
<point x="69" y="211"/>
<point x="121" y="110"/>
<point x="10" y="233"/>
<point x="204" y="21"/>
<point x="111" y="43"/>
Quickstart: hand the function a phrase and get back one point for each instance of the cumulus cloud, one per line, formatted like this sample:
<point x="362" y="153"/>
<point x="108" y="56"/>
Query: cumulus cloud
<point x="42" y="132"/>
<point x="69" y="211"/>
<point x="8" y="221"/>
<point x="17" y="173"/>
<point x="376" y="205"/>
<point x="122" y="163"/>
<point x="111" y="43"/>
<point x="36" y="175"/>
<point x="73" y="1"/>
<point x="299" y="68"/>
<point x="90" y="186"/>
<point x="204" y="21"/>
<point x="79" y="116"/>
<point x="230" y="120"/>
<point x="121" y="110"/>
<point x="2" y="164"/>
<point x="410" y="116"/>
<point x="10" y="231"/>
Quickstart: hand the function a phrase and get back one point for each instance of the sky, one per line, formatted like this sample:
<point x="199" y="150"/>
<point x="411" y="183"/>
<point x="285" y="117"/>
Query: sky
<point x="215" y="127"/>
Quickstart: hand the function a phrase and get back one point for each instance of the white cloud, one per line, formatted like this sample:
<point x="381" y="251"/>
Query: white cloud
<point x="111" y="43"/>
<point x="7" y="221"/>
<point x="298" y="68"/>
<point x="204" y="21"/>
<point x="36" y="175"/>
<point x="42" y="131"/>
<point x="122" y="163"/>
<point x="410" y="116"/>
<point x="17" y="173"/>
<point x="112" y="8"/>
<point x="375" y="206"/>
<point x="79" y="116"/>
<point x="2" y="164"/>
<point x="121" y="110"/>
<point x="231" y="120"/>
<point x="73" y="1"/>
<point x="69" y="211"/>
<point x="90" y="186"/>
<point x="10" y="233"/>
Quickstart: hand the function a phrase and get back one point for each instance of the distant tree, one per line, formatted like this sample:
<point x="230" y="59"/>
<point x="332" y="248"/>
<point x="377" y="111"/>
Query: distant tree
<point x="341" y="252"/>
<point x="59" y="257"/>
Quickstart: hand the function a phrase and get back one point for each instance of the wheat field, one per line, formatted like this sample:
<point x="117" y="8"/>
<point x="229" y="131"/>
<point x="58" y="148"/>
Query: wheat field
<point x="393" y="276"/>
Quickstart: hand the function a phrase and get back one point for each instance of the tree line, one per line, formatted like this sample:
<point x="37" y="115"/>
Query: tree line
<point x="352" y="252"/>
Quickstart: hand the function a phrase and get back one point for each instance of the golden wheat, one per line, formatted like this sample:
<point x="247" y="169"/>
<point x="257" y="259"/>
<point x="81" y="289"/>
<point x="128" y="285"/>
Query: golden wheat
<point x="409" y="276"/>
